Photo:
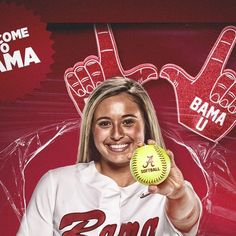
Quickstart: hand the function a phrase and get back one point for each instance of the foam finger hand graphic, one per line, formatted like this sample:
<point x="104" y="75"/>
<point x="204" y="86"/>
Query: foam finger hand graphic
<point x="206" y="103"/>
<point x="82" y="79"/>
<point x="85" y="76"/>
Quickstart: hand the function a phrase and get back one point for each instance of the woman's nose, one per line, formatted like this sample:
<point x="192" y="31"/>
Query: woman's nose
<point x="117" y="132"/>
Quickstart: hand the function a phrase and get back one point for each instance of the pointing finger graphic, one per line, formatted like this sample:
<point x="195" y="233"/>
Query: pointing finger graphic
<point x="206" y="102"/>
<point x="110" y="61"/>
<point x="84" y="77"/>
<point x="214" y="63"/>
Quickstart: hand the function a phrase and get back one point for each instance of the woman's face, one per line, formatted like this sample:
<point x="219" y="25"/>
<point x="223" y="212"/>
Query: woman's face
<point x="118" y="125"/>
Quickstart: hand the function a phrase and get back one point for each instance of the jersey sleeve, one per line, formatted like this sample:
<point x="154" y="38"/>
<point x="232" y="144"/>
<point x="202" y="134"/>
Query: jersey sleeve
<point x="38" y="219"/>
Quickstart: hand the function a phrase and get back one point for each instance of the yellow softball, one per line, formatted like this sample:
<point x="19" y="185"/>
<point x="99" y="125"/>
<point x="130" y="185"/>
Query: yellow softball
<point x="150" y="164"/>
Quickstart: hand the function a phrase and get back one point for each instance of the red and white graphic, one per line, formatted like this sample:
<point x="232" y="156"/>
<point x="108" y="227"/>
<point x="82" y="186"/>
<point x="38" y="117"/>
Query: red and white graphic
<point x="25" y="51"/>
<point x="206" y="103"/>
<point x="86" y="75"/>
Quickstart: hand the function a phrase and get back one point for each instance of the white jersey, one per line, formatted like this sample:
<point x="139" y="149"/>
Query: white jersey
<point x="78" y="200"/>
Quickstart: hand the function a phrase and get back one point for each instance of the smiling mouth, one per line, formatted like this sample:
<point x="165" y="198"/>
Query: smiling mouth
<point x="118" y="147"/>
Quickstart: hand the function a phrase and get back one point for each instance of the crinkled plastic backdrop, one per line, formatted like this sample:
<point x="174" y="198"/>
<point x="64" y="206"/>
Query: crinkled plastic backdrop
<point x="41" y="130"/>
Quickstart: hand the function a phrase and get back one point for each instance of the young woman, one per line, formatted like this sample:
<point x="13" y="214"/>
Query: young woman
<point x="98" y="195"/>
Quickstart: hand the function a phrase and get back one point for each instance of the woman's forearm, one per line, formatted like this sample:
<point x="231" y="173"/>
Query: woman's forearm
<point x="183" y="208"/>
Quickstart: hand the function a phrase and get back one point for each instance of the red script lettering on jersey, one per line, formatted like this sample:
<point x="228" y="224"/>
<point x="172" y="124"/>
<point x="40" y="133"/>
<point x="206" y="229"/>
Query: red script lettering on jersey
<point x="96" y="218"/>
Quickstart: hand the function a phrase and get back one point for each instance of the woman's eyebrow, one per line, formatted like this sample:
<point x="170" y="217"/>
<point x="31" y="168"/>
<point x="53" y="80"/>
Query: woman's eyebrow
<point x="129" y="115"/>
<point x="103" y="118"/>
<point x="108" y="118"/>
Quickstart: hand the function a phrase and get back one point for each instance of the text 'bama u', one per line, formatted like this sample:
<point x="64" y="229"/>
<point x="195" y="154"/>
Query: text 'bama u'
<point x="208" y="112"/>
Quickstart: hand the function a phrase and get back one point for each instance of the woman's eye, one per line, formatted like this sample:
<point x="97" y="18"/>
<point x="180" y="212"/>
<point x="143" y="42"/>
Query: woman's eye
<point x="128" y="122"/>
<point x="104" y="124"/>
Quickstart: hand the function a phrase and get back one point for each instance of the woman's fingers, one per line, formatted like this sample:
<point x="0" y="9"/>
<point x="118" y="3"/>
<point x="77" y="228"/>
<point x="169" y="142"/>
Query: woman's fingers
<point x="153" y="189"/>
<point x="151" y="142"/>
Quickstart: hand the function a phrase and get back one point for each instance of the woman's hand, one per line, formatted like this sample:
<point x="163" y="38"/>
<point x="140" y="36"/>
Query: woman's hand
<point x="174" y="185"/>
<point x="182" y="205"/>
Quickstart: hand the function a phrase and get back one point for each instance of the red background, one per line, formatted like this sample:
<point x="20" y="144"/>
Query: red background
<point x="157" y="32"/>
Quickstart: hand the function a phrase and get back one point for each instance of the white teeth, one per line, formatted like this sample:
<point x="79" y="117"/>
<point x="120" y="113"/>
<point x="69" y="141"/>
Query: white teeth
<point x="118" y="146"/>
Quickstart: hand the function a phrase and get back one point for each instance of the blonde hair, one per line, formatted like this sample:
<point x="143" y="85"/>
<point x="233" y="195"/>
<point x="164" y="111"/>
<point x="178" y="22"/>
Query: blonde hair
<point x="111" y="87"/>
